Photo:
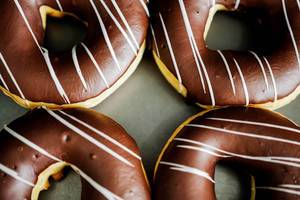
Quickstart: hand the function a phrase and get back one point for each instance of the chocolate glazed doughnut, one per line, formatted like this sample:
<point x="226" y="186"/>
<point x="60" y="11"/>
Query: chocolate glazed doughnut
<point x="83" y="76"/>
<point x="43" y="142"/>
<point x="263" y="78"/>
<point x="262" y="143"/>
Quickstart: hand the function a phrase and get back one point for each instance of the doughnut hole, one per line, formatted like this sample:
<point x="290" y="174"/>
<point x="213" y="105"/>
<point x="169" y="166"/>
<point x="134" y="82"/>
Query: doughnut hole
<point x="245" y="29"/>
<point x="58" y="181"/>
<point x="62" y="31"/>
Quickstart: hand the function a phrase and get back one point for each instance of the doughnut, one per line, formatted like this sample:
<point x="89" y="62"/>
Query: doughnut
<point x="83" y="76"/>
<point x="43" y="143"/>
<point x="260" y="77"/>
<point x="260" y="142"/>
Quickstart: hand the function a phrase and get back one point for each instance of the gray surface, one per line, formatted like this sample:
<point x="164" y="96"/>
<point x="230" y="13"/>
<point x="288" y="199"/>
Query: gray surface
<point x="150" y="110"/>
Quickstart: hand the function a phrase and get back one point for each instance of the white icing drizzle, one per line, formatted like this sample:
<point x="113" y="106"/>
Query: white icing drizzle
<point x="154" y="40"/>
<point x="237" y="4"/>
<point x="289" y="191"/>
<point x="187" y="169"/>
<point x="100" y="133"/>
<point x="290" y="186"/>
<point x="29" y="143"/>
<point x="291" y="31"/>
<point x="4" y="83"/>
<point x="256" y="158"/>
<point x="119" y="26"/>
<point x="251" y="135"/>
<point x="45" y="54"/>
<point x="89" y="138"/>
<point x="59" y="5"/>
<point x="255" y="123"/>
<point x="105" y="34"/>
<point x="125" y="22"/>
<point x="170" y="49"/>
<point x="203" y="150"/>
<point x="272" y="78"/>
<point x="95" y="63"/>
<point x="57" y="83"/>
<point x="190" y="36"/>
<point x="11" y="76"/>
<point x="196" y="50"/>
<point x="246" y="92"/>
<point x="77" y="67"/>
<point x="14" y="175"/>
<point x="228" y="71"/>
<point x="262" y="67"/>
<point x="106" y="193"/>
<point x="290" y="159"/>
<point x="298" y="3"/>
<point x="145" y="7"/>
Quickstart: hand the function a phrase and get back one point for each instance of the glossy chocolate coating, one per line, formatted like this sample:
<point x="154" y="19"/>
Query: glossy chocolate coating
<point x="29" y="67"/>
<point x="253" y="148"/>
<point x="283" y="59"/>
<point x="128" y="182"/>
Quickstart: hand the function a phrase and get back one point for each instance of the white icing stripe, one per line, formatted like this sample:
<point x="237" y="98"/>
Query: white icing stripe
<point x="294" y="192"/>
<point x="187" y="169"/>
<point x="100" y="133"/>
<point x="14" y="175"/>
<point x="291" y="31"/>
<point x="272" y="78"/>
<point x="4" y="83"/>
<point x="119" y="26"/>
<point x="154" y="40"/>
<point x="59" y="5"/>
<point x="290" y="186"/>
<point x="286" y="159"/>
<point x="170" y="49"/>
<point x="255" y="123"/>
<point x="45" y="54"/>
<point x="77" y="67"/>
<point x="237" y="4"/>
<point x="29" y="143"/>
<point x="298" y="2"/>
<point x="125" y="22"/>
<point x="27" y="24"/>
<point x="190" y="36"/>
<point x="95" y="63"/>
<point x="11" y="76"/>
<point x="203" y="150"/>
<point x="256" y="158"/>
<point x="264" y="137"/>
<point x="101" y="189"/>
<point x="262" y="68"/>
<point x="89" y="138"/>
<point x="106" y="193"/>
<point x="145" y="7"/>
<point x="243" y="82"/>
<point x="53" y="75"/>
<point x="105" y="34"/>
<point x="228" y="71"/>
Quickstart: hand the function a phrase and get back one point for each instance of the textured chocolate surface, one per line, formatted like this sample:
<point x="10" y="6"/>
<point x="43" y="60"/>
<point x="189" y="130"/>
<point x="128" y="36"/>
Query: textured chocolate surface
<point x="229" y="77"/>
<point x="59" y="81"/>
<point x="259" y="142"/>
<point x="115" y="169"/>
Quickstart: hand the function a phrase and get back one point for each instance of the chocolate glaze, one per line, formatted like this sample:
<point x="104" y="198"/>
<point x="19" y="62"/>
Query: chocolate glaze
<point x="38" y="126"/>
<point x="29" y="67"/>
<point x="284" y="61"/>
<point x="252" y="153"/>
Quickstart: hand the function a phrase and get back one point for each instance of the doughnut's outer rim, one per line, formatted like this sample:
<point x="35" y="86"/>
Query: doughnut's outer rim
<point x="181" y="89"/>
<point x="85" y="104"/>
<point x="187" y="121"/>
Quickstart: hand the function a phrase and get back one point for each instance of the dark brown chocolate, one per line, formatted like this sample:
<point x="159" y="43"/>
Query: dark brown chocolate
<point x="63" y="84"/>
<point x="114" y="162"/>
<point x="259" y="142"/>
<point x="228" y="77"/>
